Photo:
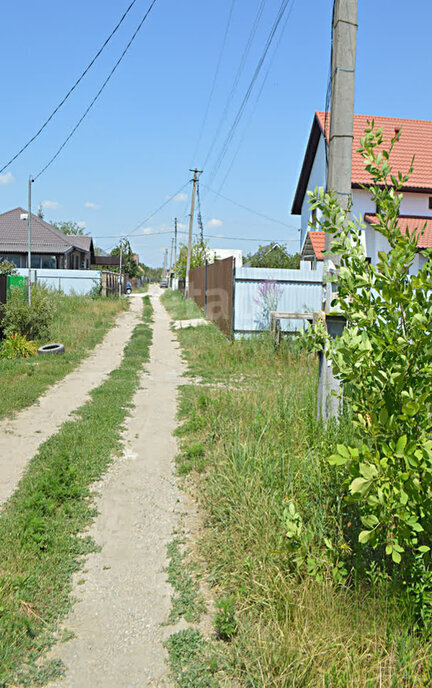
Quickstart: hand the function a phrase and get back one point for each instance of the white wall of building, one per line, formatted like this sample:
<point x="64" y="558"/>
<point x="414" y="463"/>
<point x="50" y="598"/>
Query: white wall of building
<point x="317" y="178"/>
<point x="223" y="253"/>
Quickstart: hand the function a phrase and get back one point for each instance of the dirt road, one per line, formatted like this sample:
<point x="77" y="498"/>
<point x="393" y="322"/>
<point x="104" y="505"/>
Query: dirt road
<point x="123" y="596"/>
<point x="21" y="437"/>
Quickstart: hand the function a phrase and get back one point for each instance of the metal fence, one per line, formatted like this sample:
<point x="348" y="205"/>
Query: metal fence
<point x="239" y="300"/>
<point x="261" y="290"/>
<point x="212" y="288"/>
<point x="68" y="281"/>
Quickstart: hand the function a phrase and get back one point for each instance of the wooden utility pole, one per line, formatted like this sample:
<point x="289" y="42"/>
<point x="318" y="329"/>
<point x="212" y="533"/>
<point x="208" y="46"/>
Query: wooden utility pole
<point x="339" y="176"/>
<point x="171" y="258"/>
<point x="188" y="262"/>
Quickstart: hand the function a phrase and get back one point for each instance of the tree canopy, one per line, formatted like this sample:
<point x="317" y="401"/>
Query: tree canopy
<point x="72" y="228"/>
<point x="199" y="254"/>
<point x="273" y="256"/>
<point x="129" y="264"/>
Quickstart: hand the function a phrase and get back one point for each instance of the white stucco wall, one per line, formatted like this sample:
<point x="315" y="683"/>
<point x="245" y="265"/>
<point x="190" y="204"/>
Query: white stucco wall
<point x="317" y="178"/>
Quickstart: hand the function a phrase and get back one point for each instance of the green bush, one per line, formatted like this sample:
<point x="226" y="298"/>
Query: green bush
<point x="17" y="346"/>
<point x="32" y="321"/>
<point x="384" y="362"/>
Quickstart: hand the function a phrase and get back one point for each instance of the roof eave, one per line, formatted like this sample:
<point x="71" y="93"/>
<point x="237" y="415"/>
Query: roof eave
<point x="308" y="160"/>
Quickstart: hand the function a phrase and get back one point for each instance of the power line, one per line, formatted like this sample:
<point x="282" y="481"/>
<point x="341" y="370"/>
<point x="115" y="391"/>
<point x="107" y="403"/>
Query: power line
<point x="240" y="112"/>
<point x="71" y="90"/>
<point x="98" y="93"/>
<point x="236" y="78"/>
<point x="215" y="77"/>
<point x="250" y="210"/>
<point x="140" y="224"/>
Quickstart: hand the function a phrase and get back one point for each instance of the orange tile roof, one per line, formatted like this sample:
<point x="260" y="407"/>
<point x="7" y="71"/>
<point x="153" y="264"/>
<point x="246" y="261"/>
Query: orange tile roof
<point x="416" y="139"/>
<point x="318" y="243"/>
<point x="411" y="223"/>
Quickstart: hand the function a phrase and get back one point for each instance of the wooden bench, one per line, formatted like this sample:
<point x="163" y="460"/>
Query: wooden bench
<point x="277" y="316"/>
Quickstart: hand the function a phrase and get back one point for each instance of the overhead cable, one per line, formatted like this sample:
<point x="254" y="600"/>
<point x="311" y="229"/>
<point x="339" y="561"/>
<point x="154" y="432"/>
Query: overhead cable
<point x="240" y="112"/>
<point x="250" y="210"/>
<point x="71" y="90"/>
<point x="169" y="199"/>
<point x="98" y="93"/>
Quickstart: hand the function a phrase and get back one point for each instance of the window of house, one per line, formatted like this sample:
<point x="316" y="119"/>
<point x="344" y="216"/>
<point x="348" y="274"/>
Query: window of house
<point x="12" y="258"/>
<point x="49" y="262"/>
<point x="430" y="202"/>
<point x="313" y="216"/>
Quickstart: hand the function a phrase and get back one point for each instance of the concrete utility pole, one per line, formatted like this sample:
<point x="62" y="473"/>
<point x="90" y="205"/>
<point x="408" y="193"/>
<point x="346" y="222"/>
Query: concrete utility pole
<point x="29" y="228"/>
<point x="171" y="257"/>
<point x="342" y="102"/>
<point x="164" y="271"/>
<point x="175" y="240"/>
<point x="339" y="175"/>
<point x="120" y="280"/>
<point x="195" y="179"/>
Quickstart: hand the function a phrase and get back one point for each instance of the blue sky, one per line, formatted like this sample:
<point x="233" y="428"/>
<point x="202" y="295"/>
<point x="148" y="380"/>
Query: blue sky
<point x="136" y="146"/>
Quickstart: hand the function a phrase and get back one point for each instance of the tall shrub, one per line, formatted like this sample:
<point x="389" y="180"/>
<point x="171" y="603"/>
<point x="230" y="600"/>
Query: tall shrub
<point x="30" y="320"/>
<point x="384" y="362"/>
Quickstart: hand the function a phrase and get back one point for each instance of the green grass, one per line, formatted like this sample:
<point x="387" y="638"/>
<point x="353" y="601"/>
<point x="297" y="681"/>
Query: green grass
<point x="187" y="601"/>
<point x="178" y="307"/>
<point x="191" y="661"/>
<point x="252" y="446"/>
<point x="80" y="323"/>
<point x="41" y="526"/>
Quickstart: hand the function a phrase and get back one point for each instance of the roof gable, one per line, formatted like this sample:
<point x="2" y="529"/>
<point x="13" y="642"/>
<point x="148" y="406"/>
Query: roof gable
<point x="416" y="140"/>
<point x="45" y="237"/>
<point x="413" y="224"/>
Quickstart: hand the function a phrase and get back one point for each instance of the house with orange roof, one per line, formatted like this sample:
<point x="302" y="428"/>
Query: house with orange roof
<point x="416" y="207"/>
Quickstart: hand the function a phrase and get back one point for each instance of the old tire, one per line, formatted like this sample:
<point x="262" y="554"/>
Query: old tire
<point x="51" y="349"/>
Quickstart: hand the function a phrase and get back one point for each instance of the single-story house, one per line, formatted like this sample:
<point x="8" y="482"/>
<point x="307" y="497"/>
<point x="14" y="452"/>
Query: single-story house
<point x="50" y="248"/>
<point x="416" y="206"/>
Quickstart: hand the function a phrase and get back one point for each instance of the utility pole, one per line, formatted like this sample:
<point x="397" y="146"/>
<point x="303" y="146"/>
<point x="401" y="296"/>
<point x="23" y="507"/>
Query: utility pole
<point x="29" y="228"/>
<point x="171" y="256"/>
<point x="342" y="102"/>
<point x="175" y="240"/>
<point x="195" y="179"/>
<point x="164" y="271"/>
<point x="339" y="177"/>
<point x="120" y="281"/>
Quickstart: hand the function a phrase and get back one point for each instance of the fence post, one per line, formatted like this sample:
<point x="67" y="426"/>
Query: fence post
<point x="205" y="289"/>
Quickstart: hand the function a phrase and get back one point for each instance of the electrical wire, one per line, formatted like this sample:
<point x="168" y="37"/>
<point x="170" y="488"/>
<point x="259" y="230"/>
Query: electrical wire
<point x="250" y="210"/>
<point x="98" y="93"/>
<point x="71" y="90"/>
<point x="240" y="112"/>
<point x="257" y="100"/>
<point x="215" y="77"/>
<point x="140" y="224"/>
<point x="236" y="79"/>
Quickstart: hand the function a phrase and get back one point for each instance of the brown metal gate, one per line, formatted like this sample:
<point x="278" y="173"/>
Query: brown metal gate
<point x="212" y="288"/>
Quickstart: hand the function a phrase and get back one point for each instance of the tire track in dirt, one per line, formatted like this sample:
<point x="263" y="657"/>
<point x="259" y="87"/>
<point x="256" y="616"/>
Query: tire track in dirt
<point x="21" y="437"/>
<point x="122" y="594"/>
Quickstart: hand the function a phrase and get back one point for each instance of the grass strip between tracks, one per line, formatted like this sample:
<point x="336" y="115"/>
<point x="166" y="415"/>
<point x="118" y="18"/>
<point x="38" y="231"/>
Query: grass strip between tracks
<point x="40" y="526"/>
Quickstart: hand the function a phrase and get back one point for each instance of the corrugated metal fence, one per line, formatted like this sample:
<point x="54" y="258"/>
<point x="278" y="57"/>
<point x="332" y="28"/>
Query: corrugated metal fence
<point x="212" y="286"/>
<point x="261" y="290"/>
<point x="239" y="300"/>
<point x="69" y="281"/>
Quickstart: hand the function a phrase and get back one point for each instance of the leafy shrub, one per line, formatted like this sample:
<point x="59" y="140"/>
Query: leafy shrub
<point x="17" y="346"/>
<point x="384" y="362"/>
<point x="225" y="621"/>
<point x="33" y="321"/>
<point x="7" y="268"/>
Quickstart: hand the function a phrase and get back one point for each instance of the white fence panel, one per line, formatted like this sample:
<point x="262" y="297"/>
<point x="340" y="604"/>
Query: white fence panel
<point x="68" y="281"/>
<point x="261" y="290"/>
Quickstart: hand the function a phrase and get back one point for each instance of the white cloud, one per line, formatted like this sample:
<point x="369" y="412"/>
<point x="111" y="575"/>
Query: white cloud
<point x="178" y="198"/>
<point x="214" y="222"/>
<point x="82" y="224"/>
<point x="93" y="206"/>
<point x="6" y="179"/>
<point x="180" y="225"/>
<point x="51" y="205"/>
<point x="220" y="236"/>
<point x="147" y="230"/>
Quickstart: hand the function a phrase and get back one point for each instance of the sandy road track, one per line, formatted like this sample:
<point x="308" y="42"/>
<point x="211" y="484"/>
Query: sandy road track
<point x="122" y="593"/>
<point x="21" y="437"/>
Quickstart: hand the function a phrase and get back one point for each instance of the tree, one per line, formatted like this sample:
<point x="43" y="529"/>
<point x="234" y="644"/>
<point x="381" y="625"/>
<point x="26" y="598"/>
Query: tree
<point x="199" y="254"/>
<point x="72" y="228"/>
<point x="273" y="256"/>
<point x="129" y="264"/>
<point x="153" y="274"/>
<point x="383" y="360"/>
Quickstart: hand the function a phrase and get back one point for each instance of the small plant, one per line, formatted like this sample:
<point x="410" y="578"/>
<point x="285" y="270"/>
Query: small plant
<point x="30" y="320"/>
<point x="267" y="300"/>
<point x="225" y="621"/>
<point x="7" y="268"/>
<point x="17" y="346"/>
